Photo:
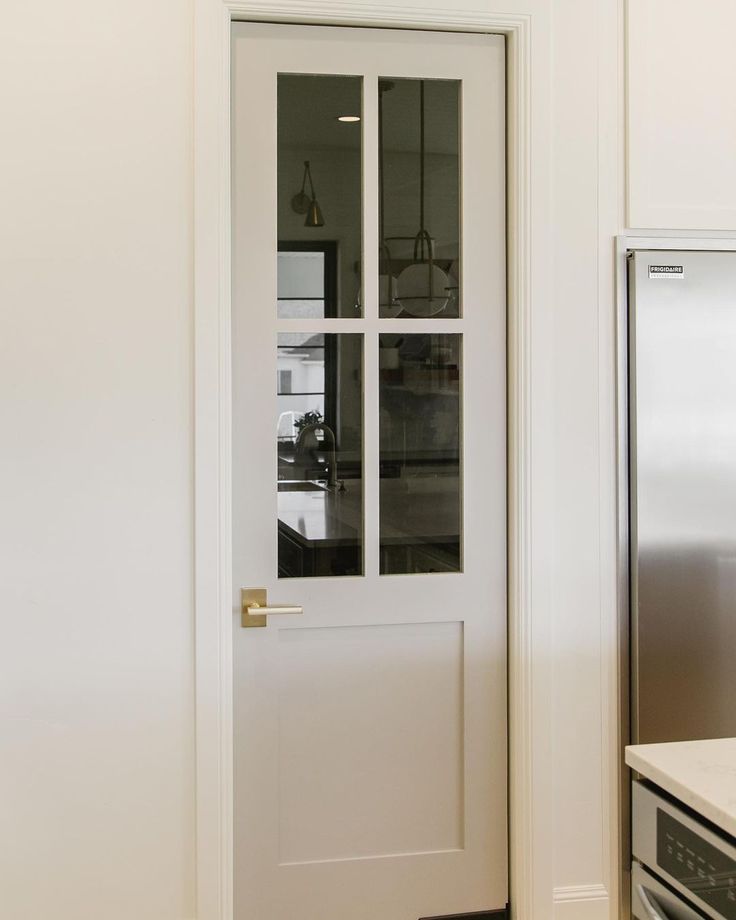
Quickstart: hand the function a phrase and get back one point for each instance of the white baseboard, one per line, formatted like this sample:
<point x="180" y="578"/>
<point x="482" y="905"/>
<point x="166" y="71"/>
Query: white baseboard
<point x="581" y="902"/>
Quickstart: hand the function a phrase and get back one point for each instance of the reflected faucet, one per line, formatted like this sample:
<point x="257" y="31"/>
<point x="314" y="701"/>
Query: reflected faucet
<point x="302" y="447"/>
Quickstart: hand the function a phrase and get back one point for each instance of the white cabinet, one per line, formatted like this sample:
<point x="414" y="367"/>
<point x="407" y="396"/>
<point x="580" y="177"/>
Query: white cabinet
<point x="681" y="114"/>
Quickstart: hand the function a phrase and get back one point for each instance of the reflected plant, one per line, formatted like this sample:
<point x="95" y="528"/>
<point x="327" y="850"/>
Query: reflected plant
<point x="309" y="418"/>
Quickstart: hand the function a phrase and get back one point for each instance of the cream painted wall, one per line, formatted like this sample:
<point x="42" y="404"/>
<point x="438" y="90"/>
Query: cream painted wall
<point x="95" y="414"/>
<point x="96" y="678"/>
<point x="587" y="209"/>
<point x="681" y="120"/>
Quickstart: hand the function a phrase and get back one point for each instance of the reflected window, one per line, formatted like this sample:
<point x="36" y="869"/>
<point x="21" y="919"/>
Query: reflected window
<point x="306" y="283"/>
<point x="306" y="392"/>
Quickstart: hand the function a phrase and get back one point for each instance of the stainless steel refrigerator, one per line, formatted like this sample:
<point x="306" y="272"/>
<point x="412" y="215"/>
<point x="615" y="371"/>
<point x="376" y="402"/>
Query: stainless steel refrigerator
<point x="682" y="476"/>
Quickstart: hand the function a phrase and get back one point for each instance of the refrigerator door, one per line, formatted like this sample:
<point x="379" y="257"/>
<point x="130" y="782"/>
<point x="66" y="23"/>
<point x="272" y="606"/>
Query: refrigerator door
<point x="682" y="389"/>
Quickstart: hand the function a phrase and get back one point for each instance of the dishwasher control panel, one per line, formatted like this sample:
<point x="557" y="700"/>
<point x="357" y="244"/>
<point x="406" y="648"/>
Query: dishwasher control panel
<point x="684" y="851"/>
<point x="702" y="868"/>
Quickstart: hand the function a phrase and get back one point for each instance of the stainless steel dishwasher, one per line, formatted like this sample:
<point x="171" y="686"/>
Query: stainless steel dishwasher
<point x="683" y="867"/>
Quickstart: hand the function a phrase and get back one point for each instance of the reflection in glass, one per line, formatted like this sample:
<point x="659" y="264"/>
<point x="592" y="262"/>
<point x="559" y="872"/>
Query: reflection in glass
<point x="306" y="279"/>
<point x="419" y="191"/>
<point x="319" y="441"/>
<point x="319" y="192"/>
<point x="421" y="488"/>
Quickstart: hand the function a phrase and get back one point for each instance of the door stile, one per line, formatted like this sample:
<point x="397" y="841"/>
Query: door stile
<point x="253" y="329"/>
<point x="371" y="459"/>
<point x="369" y="273"/>
<point x="368" y="325"/>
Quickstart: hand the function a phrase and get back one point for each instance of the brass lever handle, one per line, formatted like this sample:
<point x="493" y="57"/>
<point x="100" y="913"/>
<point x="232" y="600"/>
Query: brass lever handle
<point x="254" y="607"/>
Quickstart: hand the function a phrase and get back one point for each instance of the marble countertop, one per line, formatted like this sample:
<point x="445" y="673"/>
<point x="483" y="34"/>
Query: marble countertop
<point x="702" y="774"/>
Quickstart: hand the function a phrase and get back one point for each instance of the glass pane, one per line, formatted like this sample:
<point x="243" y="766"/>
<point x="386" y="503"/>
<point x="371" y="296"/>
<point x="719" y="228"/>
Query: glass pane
<point x="419" y="186"/>
<point x="421" y="487"/>
<point x="320" y="454"/>
<point x="319" y="195"/>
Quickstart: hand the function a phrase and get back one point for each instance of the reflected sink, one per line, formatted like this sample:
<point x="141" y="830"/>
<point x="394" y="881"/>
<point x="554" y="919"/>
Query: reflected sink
<point x="301" y="485"/>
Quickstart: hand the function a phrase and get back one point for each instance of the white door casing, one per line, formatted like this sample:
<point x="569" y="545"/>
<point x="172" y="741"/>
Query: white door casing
<point x="529" y="674"/>
<point x="335" y="848"/>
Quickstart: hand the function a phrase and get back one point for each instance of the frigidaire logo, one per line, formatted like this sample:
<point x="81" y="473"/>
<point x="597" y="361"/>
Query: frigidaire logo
<point x="666" y="271"/>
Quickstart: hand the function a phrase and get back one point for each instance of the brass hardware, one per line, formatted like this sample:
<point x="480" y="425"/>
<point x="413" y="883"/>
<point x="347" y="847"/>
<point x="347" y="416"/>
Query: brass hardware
<point x="255" y="608"/>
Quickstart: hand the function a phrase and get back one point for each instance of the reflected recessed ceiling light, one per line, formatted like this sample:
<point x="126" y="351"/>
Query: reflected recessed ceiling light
<point x="349" y="118"/>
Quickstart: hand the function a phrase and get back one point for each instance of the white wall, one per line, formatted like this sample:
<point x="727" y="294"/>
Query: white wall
<point x="587" y="190"/>
<point x="96" y="705"/>
<point x="682" y="121"/>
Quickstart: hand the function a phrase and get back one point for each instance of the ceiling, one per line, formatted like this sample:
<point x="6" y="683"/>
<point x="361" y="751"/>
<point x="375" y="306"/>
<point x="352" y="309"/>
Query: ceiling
<point x="308" y="107"/>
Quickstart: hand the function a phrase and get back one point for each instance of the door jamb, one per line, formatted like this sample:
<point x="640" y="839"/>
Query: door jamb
<point x="528" y="680"/>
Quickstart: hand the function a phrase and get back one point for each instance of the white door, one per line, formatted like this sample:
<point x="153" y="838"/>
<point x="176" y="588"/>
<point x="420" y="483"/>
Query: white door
<point x="369" y="473"/>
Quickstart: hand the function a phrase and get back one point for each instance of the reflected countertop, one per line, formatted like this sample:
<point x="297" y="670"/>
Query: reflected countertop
<point x="411" y="512"/>
<point x="702" y="774"/>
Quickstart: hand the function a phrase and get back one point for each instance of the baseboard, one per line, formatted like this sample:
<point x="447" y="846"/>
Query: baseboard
<point x="581" y="902"/>
<point x="501" y="914"/>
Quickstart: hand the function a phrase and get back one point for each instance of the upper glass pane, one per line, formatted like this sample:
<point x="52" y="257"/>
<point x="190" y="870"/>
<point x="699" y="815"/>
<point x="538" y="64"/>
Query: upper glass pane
<point x="419" y="192"/>
<point x="319" y="196"/>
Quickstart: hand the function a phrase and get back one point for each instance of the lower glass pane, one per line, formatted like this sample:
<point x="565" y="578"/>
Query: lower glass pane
<point x="421" y="484"/>
<point x="320" y="451"/>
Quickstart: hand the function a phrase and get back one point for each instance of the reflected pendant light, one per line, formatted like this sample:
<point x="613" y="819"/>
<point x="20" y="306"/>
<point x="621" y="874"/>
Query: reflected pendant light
<point x="422" y="287"/>
<point x="302" y="203"/>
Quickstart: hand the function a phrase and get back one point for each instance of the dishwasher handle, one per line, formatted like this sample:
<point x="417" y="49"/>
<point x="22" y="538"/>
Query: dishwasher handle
<point x="653" y="910"/>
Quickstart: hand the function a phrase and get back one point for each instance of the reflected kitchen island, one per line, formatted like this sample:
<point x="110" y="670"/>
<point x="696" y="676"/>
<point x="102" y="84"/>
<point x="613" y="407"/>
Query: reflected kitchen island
<point x="319" y="528"/>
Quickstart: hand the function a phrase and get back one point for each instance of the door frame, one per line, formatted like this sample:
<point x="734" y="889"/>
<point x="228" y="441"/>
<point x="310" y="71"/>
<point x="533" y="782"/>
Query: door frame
<point x="530" y="850"/>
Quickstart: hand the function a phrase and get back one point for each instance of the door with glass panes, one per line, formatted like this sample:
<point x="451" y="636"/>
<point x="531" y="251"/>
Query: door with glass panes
<point x="368" y="473"/>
